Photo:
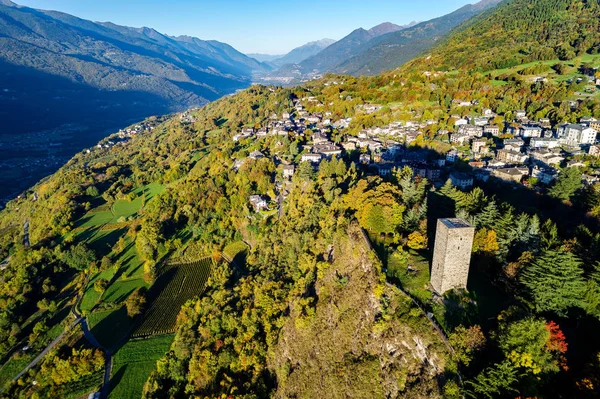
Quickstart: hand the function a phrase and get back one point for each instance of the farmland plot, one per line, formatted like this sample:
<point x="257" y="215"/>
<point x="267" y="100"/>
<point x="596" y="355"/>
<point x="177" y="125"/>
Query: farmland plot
<point x="176" y="285"/>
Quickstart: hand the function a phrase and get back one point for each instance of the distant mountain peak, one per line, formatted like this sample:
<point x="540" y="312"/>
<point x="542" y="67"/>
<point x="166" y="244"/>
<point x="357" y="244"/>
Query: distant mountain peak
<point x="382" y="29"/>
<point x="322" y="42"/>
<point x="8" y="3"/>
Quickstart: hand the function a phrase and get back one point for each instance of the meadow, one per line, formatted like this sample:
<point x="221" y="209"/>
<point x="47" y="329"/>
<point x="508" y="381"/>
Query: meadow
<point x="110" y="326"/>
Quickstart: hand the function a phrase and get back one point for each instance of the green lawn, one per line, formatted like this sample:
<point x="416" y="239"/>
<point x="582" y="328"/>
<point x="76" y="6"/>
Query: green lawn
<point x="414" y="281"/>
<point x="91" y="296"/>
<point x="131" y="264"/>
<point x="153" y="189"/>
<point x="133" y="364"/>
<point x="572" y="65"/>
<point x="94" y="219"/>
<point x="121" y="289"/>
<point x="236" y="250"/>
<point x="103" y="240"/>
<point x="109" y="326"/>
<point x="89" y="226"/>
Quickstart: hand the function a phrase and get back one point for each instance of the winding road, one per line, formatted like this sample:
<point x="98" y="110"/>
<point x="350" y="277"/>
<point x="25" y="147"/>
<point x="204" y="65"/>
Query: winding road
<point x="108" y="359"/>
<point x="46" y="350"/>
<point x="79" y="319"/>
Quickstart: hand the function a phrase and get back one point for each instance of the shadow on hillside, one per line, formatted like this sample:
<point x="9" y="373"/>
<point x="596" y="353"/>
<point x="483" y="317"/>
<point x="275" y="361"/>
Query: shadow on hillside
<point x="116" y="378"/>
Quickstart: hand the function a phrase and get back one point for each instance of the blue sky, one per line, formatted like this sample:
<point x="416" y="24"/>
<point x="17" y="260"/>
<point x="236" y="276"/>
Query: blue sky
<point x="264" y="26"/>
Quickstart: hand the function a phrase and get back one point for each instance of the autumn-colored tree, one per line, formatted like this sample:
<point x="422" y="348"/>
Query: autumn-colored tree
<point x="485" y="242"/>
<point x="525" y="344"/>
<point x="135" y="303"/>
<point x="101" y="285"/>
<point x="557" y="343"/>
<point x="417" y="240"/>
<point x="467" y="341"/>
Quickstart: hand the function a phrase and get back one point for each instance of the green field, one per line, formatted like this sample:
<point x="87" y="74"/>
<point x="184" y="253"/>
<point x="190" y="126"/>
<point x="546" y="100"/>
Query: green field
<point x="572" y="68"/>
<point x="91" y="296"/>
<point x="415" y="281"/>
<point x="119" y="290"/>
<point x="89" y="227"/>
<point x="237" y="252"/>
<point x="131" y="264"/>
<point x="174" y="287"/>
<point x="109" y="326"/>
<point x="133" y="364"/>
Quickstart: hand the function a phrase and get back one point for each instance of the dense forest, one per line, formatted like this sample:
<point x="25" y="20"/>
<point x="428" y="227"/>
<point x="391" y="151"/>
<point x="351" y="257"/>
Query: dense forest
<point x="517" y="32"/>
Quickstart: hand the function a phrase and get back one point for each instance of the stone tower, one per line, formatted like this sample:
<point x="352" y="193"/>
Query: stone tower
<point x="452" y="254"/>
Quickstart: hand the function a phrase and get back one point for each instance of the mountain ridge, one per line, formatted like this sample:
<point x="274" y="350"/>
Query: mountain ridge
<point x="394" y="49"/>
<point x="301" y="53"/>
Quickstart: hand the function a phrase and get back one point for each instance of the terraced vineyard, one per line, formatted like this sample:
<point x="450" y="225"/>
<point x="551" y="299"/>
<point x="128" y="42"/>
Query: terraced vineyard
<point x="176" y="285"/>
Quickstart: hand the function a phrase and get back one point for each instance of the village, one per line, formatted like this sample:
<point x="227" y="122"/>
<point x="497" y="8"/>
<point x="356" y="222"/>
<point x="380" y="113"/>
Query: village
<point x="523" y="152"/>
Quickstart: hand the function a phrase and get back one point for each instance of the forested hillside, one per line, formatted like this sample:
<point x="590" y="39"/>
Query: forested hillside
<point x="521" y="31"/>
<point x="318" y="271"/>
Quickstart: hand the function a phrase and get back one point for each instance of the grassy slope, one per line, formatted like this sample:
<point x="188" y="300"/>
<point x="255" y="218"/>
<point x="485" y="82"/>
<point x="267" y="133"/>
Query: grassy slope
<point x="133" y="364"/>
<point x="109" y="326"/>
<point x="129" y="276"/>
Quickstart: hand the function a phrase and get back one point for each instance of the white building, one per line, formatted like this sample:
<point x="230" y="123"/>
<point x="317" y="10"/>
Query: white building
<point x="575" y="134"/>
<point x="543" y="142"/>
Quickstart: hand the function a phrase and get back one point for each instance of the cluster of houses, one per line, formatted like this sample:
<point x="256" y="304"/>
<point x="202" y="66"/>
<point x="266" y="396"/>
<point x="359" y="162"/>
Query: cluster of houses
<point x="123" y="136"/>
<point x="524" y="148"/>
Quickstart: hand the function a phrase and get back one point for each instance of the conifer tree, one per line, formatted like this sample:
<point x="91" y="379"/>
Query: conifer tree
<point x="566" y="185"/>
<point x="555" y="282"/>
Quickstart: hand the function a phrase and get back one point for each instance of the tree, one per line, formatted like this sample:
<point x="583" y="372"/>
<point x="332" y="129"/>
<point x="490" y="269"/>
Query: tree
<point x="525" y="344"/>
<point x="466" y="341"/>
<point x="105" y="263"/>
<point x="493" y="382"/>
<point x="135" y="303"/>
<point x="79" y="257"/>
<point x="305" y="171"/>
<point x="101" y="285"/>
<point x="555" y="282"/>
<point x="92" y="191"/>
<point x="567" y="184"/>
<point x="485" y="242"/>
<point x="150" y="271"/>
<point x="417" y="240"/>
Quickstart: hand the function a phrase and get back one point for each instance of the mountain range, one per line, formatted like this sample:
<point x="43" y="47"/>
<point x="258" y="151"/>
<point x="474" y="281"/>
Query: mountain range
<point x="339" y="51"/>
<point x="66" y="81"/>
<point x="301" y="53"/>
<point x="99" y="65"/>
<point x="396" y="48"/>
<point x="384" y="47"/>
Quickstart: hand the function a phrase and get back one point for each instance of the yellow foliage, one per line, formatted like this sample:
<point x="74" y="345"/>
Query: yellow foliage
<point x="417" y="240"/>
